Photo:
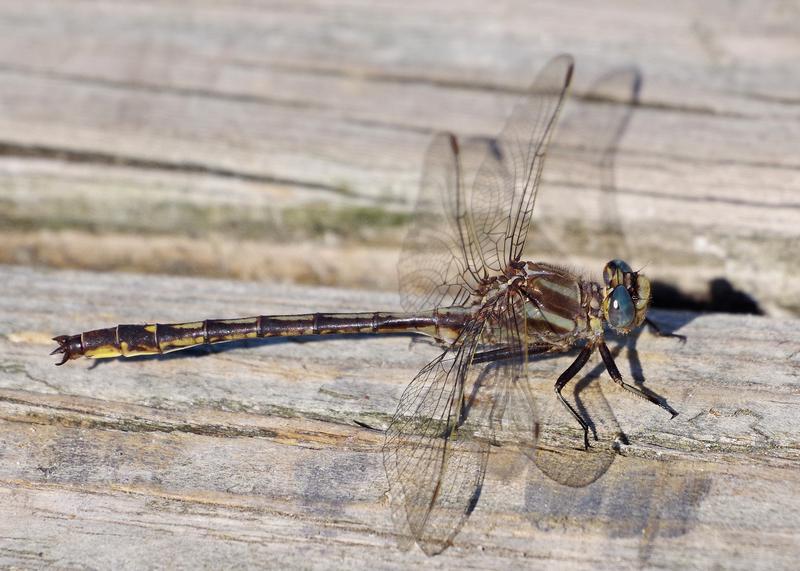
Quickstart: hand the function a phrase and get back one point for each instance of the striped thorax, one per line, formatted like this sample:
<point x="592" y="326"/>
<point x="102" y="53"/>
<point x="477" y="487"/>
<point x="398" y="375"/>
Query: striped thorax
<point x="561" y="308"/>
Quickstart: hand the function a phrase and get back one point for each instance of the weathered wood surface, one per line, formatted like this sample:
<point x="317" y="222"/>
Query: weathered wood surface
<point x="283" y="141"/>
<point x="250" y="455"/>
<point x="221" y="138"/>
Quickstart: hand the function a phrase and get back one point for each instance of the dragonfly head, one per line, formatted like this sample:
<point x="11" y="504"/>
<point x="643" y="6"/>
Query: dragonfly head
<point x="626" y="296"/>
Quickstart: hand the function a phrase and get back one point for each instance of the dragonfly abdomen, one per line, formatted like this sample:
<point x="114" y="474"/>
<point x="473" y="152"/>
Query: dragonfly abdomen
<point x="158" y="338"/>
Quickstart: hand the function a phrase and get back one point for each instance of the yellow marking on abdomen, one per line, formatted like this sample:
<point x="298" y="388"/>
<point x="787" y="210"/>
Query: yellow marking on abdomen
<point x="103" y="352"/>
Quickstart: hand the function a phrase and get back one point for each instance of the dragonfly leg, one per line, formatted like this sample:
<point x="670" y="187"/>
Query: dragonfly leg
<point x="564" y="378"/>
<point x="656" y="330"/>
<point x="612" y="369"/>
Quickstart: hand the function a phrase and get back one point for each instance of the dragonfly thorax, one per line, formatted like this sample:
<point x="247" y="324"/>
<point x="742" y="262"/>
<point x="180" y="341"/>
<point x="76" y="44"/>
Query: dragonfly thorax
<point x="560" y="307"/>
<point x="553" y="300"/>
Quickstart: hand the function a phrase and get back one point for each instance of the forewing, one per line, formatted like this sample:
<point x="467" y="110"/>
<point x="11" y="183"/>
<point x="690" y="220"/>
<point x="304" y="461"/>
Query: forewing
<point x="564" y="462"/>
<point x="474" y="204"/>
<point x="504" y="192"/>
<point x="439" y="265"/>
<point x="435" y="454"/>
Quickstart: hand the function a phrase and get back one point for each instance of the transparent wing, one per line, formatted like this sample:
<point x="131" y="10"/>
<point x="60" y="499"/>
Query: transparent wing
<point x="561" y="460"/>
<point x="438" y="442"/>
<point x="434" y="459"/>
<point x="475" y="200"/>
<point x="439" y="265"/>
<point x="504" y="190"/>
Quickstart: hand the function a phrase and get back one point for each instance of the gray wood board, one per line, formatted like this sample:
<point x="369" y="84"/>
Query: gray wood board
<point x="169" y="135"/>
<point x="249" y="455"/>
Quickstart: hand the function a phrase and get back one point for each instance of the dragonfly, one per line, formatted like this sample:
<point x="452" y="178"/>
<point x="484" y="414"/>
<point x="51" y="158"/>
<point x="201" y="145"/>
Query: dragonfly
<point x="464" y="283"/>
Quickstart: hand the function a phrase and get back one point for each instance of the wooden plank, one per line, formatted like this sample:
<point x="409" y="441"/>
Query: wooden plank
<point x="250" y="455"/>
<point x="283" y="142"/>
<point x="227" y="122"/>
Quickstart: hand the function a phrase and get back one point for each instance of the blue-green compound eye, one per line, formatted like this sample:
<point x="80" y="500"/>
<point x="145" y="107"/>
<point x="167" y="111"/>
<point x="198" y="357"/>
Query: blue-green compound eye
<point x="620" y="308"/>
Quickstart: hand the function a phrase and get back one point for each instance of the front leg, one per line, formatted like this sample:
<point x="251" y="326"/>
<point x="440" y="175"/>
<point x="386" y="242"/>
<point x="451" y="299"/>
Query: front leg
<point x="612" y="369"/>
<point x="565" y="377"/>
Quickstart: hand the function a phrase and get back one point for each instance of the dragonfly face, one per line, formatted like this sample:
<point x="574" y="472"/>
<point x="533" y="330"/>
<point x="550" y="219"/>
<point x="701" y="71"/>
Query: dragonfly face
<point x="626" y="296"/>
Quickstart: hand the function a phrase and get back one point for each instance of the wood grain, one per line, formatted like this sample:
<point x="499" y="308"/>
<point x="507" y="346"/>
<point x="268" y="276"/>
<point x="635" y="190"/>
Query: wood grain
<point x="251" y="455"/>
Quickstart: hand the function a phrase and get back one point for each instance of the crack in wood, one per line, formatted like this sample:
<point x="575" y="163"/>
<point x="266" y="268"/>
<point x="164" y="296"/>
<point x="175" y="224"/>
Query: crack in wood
<point x="109" y="159"/>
